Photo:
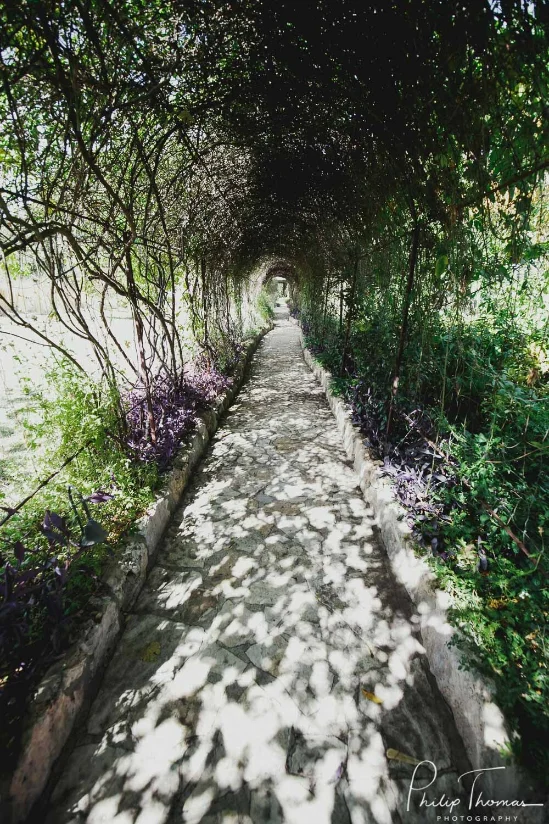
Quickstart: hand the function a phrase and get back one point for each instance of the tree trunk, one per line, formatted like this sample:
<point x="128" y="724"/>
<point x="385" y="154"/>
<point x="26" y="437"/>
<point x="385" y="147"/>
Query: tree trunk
<point x="138" y="323"/>
<point x="205" y="305"/>
<point x="404" y="325"/>
<point x="325" y="310"/>
<point x="349" y="318"/>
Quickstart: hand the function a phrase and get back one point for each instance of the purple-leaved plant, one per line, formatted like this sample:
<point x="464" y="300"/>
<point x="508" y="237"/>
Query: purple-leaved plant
<point x="175" y="407"/>
<point x="34" y="626"/>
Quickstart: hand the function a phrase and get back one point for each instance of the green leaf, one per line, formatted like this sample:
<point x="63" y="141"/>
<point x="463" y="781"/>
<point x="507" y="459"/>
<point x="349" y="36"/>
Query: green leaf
<point x="441" y="265"/>
<point x="93" y="533"/>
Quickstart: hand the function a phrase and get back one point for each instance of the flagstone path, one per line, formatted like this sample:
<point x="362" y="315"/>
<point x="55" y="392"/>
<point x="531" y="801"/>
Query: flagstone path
<point x="272" y="659"/>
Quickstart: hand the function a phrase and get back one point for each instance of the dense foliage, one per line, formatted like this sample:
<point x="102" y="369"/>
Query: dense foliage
<point x="36" y="590"/>
<point x="389" y="159"/>
<point x="467" y="453"/>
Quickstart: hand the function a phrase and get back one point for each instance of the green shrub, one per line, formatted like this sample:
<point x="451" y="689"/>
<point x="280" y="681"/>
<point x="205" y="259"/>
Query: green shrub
<point x="481" y="382"/>
<point x="265" y="305"/>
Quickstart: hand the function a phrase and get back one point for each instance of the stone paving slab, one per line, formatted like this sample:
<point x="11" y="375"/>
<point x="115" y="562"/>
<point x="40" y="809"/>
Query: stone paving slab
<point x="271" y="660"/>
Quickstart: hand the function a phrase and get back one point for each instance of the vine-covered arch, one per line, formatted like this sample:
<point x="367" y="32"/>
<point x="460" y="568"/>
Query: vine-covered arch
<point x="285" y="271"/>
<point x="389" y="160"/>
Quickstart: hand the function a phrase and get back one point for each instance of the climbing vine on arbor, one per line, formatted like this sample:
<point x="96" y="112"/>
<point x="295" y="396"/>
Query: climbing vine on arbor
<point x="391" y="159"/>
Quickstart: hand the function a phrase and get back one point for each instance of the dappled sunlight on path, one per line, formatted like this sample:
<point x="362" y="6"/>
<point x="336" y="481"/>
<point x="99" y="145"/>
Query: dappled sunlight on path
<point x="237" y="690"/>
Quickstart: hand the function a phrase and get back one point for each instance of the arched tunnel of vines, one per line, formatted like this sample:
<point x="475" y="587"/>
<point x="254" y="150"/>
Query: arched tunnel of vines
<point x="182" y="182"/>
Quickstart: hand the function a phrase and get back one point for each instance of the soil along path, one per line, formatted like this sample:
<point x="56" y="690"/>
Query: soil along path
<point x="271" y="661"/>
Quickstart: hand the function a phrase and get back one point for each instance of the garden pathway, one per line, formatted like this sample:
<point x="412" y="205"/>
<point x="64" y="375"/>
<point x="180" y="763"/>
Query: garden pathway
<point x="236" y="693"/>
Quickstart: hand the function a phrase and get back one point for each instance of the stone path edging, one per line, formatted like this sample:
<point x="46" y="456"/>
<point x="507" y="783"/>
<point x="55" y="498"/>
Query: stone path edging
<point x="479" y="720"/>
<point x="67" y="687"/>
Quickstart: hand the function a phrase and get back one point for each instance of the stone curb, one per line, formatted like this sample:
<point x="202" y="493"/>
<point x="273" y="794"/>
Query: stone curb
<point x="68" y="686"/>
<point x="479" y="720"/>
